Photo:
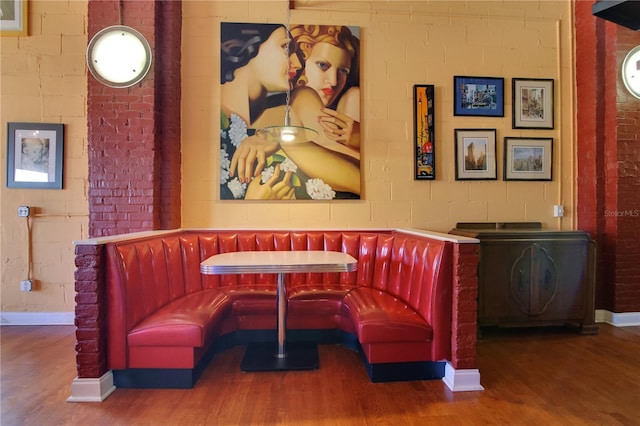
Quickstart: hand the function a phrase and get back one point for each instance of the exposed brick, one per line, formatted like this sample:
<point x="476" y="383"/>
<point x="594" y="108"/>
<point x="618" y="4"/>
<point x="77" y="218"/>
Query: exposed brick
<point x="128" y="191"/>
<point x="464" y="328"/>
<point x="607" y="177"/>
<point x="87" y="334"/>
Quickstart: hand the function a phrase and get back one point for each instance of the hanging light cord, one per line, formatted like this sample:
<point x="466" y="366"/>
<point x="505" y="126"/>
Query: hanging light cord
<point x="287" y="52"/>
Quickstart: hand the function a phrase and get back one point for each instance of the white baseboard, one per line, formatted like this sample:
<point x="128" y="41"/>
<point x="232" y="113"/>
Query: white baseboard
<point x="625" y="319"/>
<point x="462" y="380"/>
<point x="92" y="390"/>
<point x="37" y="318"/>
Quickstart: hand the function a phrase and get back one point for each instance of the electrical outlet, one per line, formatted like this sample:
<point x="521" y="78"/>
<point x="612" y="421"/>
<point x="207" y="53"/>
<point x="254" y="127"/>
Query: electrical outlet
<point x="26" y="285"/>
<point x="558" y="211"/>
<point x="24" y="211"/>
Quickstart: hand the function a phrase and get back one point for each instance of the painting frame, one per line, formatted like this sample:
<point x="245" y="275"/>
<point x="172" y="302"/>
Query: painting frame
<point x="35" y="153"/>
<point x="16" y="24"/>
<point x="528" y="111"/>
<point x="471" y="94"/>
<point x="519" y="164"/>
<point x="469" y="165"/>
<point x="424" y="131"/>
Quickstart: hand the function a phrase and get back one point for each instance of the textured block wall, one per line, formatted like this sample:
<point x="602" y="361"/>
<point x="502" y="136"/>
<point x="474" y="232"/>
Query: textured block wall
<point x="403" y="44"/>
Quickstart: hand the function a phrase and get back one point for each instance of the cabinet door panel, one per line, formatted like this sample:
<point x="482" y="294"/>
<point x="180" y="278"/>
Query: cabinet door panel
<point x="496" y="265"/>
<point x="571" y="260"/>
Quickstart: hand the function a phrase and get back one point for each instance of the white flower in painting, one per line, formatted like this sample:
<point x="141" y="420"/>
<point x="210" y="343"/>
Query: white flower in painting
<point x="266" y="174"/>
<point x="237" y="129"/>
<point x="237" y="189"/>
<point x="318" y="190"/>
<point x="288" y="166"/>
<point x="225" y="164"/>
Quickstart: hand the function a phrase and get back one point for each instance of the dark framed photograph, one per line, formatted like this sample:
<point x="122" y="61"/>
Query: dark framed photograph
<point x="13" y="18"/>
<point x="528" y="158"/>
<point x="476" y="154"/>
<point x="423" y="127"/>
<point x="34" y="155"/>
<point x="479" y="96"/>
<point x="532" y="103"/>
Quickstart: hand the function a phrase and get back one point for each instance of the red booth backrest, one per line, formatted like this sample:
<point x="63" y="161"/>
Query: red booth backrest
<point x="146" y="273"/>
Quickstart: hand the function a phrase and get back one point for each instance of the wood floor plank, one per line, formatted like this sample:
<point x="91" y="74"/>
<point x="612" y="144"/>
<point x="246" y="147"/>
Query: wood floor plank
<point x="549" y="376"/>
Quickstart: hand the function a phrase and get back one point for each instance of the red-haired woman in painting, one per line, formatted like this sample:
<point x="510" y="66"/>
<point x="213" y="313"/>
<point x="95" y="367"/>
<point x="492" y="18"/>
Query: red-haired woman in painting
<point x="331" y="68"/>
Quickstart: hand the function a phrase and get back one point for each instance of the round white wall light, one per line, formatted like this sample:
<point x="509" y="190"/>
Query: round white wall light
<point x="119" y="56"/>
<point x="631" y="71"/>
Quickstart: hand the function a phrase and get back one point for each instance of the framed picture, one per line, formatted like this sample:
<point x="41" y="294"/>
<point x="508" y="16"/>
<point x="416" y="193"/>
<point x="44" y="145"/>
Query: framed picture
<point x="13" y="19"/>
<point x="532" y="103"/>
<point x="34" y="155"/>
<point x="528" y="158"/>
<point x="476" y="154"/>
<point x="423" y="127"/>
<point x="479" y="96"/>
<point x="334" y="175"/>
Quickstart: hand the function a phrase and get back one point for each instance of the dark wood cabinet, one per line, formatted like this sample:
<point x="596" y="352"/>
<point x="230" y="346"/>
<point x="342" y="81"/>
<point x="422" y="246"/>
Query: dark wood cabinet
<point x="530" y="276"/>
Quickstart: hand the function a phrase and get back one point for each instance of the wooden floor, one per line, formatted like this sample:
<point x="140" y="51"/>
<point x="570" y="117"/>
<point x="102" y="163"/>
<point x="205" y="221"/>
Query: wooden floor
<point x="532" y="377"/>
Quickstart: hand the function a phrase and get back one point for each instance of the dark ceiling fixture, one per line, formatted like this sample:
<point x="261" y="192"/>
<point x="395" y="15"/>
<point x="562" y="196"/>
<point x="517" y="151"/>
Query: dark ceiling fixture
<point x="625" y="12"/>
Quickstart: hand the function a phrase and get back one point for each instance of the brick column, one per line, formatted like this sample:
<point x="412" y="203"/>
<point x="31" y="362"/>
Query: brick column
<point x="134" y="159"/>
<point x="134" y="132"/>
<point x="465" y="306"/>
<point x="609" y="154"/>
<point x="91" y="357"/>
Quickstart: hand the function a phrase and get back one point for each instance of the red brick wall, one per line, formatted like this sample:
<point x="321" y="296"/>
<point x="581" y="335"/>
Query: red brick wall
<point x="134" y="133"/>
<point x="627" y="265"/>
<point x="91" y="355"/>
<point x="134" y="159"/>
<point x="167" y="108"/>
<point x="465" y="306"/>
<point x="608" y="161"/>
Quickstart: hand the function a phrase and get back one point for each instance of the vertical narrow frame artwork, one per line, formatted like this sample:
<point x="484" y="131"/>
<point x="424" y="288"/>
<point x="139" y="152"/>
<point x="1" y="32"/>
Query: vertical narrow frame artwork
<point x="35" y="153"/>
<point x="423" y="120"/>
<point x="289" y="73"/>
<point x="532" y="103"/>
<point x="14" y="18"/>
<point x="478" y="96"/>
<point x="528" y="158"/>
<point x="475" y="151"/>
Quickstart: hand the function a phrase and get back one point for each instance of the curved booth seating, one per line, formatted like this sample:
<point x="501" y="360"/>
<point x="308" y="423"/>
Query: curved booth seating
<point x="165" y="320"/>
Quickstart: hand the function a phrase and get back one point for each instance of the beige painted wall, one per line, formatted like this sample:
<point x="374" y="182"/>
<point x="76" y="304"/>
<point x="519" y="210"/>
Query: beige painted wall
<point x="403" y="43"/>
<point x="43" y="79"/>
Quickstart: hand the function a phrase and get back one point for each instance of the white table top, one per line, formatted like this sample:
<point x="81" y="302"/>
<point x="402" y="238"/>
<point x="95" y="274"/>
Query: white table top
<point x="243" y="262"/>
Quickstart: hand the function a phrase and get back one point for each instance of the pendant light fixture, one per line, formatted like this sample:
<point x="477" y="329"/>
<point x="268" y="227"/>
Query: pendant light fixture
<point x="287" y="134"/>
<point x="119" y="56"/>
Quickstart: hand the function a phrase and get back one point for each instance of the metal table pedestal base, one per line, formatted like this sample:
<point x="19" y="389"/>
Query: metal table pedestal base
<point x="264" y="357"/>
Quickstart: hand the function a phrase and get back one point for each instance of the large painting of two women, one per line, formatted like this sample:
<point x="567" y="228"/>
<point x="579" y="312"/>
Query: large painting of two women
<point x="308" y="72"/>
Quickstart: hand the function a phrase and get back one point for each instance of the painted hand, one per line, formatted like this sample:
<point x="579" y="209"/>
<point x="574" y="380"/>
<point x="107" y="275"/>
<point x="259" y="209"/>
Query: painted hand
<point x="273" y="189"/>
<point x="340" y="128"/>
<point x="251" y="150"/>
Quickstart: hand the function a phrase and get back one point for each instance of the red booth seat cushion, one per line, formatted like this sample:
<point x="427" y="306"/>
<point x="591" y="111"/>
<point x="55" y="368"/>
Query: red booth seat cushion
<point x="379" y="317"/>
<point x="188" y="321"/>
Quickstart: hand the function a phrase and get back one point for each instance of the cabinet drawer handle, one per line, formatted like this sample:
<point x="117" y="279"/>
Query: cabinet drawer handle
<point x="547" y="279"/>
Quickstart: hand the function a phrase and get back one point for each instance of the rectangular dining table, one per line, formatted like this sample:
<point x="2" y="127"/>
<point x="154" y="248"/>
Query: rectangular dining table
<point x="280" y="356"/>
